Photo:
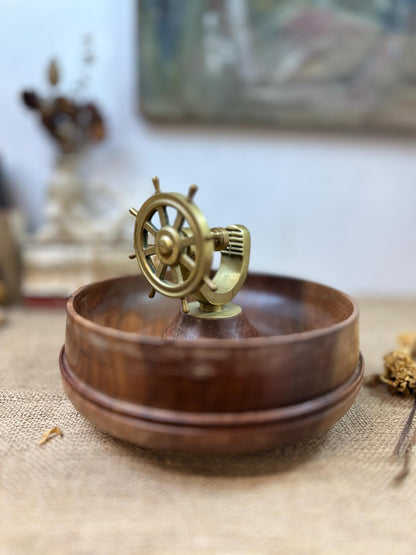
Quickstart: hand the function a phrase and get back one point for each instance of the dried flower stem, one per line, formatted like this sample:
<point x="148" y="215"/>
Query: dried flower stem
<point x="400" y="375"/>
<point x="405" y="468"/>
<point x="398" y="450"/>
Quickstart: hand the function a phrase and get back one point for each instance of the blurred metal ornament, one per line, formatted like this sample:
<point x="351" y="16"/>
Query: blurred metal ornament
<point x="10" y="260"/>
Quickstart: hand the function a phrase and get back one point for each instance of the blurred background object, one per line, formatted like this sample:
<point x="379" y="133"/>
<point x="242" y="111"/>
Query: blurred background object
<point x="336" y="207"/>
<point x="301" y="64"/>
<point x="68" y="249"/>
<point x="73" y="124"/>
<point x="10" y="264"/>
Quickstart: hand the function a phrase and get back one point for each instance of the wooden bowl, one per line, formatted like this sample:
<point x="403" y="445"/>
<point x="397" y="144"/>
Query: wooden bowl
<point x="212" y="395"/>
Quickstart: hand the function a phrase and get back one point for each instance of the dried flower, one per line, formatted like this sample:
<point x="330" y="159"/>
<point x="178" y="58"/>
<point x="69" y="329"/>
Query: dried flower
<point x="73" y="124"/>
<point x="30" y="98"/>
<point x="53" y="72"/>
<point x="399" y="372"/>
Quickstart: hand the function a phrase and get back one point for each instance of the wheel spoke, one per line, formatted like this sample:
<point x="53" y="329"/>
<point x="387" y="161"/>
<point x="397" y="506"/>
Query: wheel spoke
<point x="148" y="251"/>
<point x="187" y="241"/>
<point x="163" y="215"/>
<point x="208" y="281"/>
<point x="187" y="261"/>
<point x="185" y="305"/>
<point x="177" y="274"/>
<point x="148" y="226"/>
<point x="178" y="221"/>
<point x="161" y="270"/>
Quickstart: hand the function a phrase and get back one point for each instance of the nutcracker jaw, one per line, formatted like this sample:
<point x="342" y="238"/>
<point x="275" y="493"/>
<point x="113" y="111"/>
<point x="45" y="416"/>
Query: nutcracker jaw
<point x="230" y="276"/>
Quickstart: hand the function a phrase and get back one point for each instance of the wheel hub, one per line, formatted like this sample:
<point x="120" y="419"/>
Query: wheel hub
<point x="168" y="245"/>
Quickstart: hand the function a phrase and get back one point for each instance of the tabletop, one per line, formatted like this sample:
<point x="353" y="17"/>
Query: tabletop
<point x="87" y="493"/>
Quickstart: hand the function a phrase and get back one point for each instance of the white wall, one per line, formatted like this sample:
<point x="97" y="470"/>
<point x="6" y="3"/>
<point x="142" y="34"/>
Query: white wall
<point x="338" y="209"/>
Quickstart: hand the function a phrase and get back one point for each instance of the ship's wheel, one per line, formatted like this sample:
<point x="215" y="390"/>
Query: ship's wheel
<point x="173" y="244"/>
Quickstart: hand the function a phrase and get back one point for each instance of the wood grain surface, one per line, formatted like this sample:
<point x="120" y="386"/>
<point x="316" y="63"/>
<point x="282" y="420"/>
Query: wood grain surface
<point x="294" y="380"/>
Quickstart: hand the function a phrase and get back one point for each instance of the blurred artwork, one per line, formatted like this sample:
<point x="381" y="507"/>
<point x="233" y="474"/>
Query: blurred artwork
<point x="344" y="64"/>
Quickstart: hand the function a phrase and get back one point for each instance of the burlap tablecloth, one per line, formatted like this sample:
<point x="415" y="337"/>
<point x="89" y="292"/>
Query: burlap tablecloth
<point x="88" y="493"/>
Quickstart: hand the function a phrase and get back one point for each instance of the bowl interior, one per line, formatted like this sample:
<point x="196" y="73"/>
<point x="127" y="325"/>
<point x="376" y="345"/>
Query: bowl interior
<point x="275" y="305"/>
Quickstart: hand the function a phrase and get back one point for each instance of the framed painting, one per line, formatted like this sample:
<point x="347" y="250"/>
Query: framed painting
<point x="343" y="64"/>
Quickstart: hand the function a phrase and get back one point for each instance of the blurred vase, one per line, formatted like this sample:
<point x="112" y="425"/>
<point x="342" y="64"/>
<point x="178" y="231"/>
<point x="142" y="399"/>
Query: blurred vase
<point x="65" y="203"/>
<point x="69" y="217"/>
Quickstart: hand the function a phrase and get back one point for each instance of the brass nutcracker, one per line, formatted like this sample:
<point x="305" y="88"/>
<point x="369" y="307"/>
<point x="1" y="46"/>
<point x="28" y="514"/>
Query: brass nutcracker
<point x="175" y="254"/>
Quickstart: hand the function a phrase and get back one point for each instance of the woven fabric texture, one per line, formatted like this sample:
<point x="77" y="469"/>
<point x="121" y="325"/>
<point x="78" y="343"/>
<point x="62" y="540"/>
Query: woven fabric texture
<point x="88" y="493"/>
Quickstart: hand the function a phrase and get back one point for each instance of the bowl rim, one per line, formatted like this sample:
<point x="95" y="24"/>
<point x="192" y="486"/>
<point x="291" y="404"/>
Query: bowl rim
<point x="213" y="343"/>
